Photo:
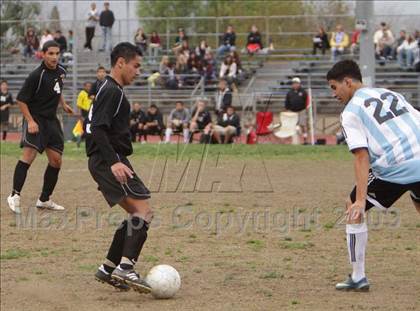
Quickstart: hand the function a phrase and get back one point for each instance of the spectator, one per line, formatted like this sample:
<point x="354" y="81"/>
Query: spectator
<point x="46" y="36"/>
<point x="106" y="20"/>
<point x="398" y="42"/>
<point x="296" y="101"/>
<point x="140" y="40"/>
<point x="320" y="41"/>
<point x="227" y="126"/>
<point x="70" y="41"/>
<point x="406" y="52"/>
<point x="84" y="101"/>
<point x="31" y="43"/>
<point x="137" y="122"/>
<point x="383" y="48"/>
<point x="93" y="18"/>
<point x="227" y="42"/>
<point x="61" y="40"/>
<point x="209" y="70"/>
<point x="228" y="69"/>
<point x="383" y="30"/>
<point x="338" y="42"/>
<point x="154" y="46"/>
<point x="254" y="44"/>
<point x="167" y="74"/>
<point x="202" y="49"/>
<point x="194" y="64"/>
<point x="100" y="77"/>
<point x="201" y="121"/>
<point x="179" y="41"/>
<point x="154" y="122"/>
<point x="6" y="101"/>
<point x="178" y="121"/>
<point x="355" y="38"/>
<point x="223" y="97"/>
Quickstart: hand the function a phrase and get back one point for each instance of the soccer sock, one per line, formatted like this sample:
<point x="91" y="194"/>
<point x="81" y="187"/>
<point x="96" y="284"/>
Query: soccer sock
<point x="186" y="136"/>
<point x="168" y="134"/>
<point x="19" y="177"/>
<point x="115" y="250"/>
<point x="4" y="135"/>
<point x="50" y="180"/>
<point x="136" y="235"/>
<point x="357" y="235"/>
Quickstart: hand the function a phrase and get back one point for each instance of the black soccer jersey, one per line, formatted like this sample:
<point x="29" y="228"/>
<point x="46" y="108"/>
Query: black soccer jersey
<point x="42" y="90"/>
<point x="204" y="118"/>
<point x="110" y="111"/>
<point x="4" y="100"/>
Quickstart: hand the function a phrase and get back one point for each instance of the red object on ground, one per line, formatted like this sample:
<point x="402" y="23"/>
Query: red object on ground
<point x="264" y="119"/>
<point x="251" y="138"/>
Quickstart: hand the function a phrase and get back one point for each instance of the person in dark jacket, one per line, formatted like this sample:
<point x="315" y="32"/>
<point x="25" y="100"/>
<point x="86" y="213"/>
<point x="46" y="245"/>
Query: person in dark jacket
<point x="223" y="97"/>
<point x="106" y="20"/>
<point x="227" y="42"/>
<point x="296" y="100"/>
<point x="320" y="41"/>
<point x="61" y="40"/>
<point x="254" y="43"/>
<point x="154" y="122"/>
<point x="137" y="121"/>
<point x="227" y="126"/>
<point x="6" y="101"/>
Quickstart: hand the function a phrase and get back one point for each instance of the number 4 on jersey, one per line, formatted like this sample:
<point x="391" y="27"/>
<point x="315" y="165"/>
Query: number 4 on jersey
<point x="57" y="88"/>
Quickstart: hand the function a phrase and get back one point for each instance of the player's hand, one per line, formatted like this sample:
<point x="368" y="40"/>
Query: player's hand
<point x="121" y="172"/>
<point x="356" y="211"/>
<point x="33" y="127"/>
<point x="68" y="109"/>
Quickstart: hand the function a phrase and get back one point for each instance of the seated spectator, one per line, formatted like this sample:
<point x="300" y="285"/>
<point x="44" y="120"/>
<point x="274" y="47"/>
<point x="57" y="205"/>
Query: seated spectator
<point x="178" y="121"/>
<point x="320" y="41"/>
<point x="398" y="42"/>
<point x="383" y="48"/>
<point x="179" y="41"/>
<point x="201" y="121"/>
<point x="227" y="126"/>
<point x="202" y="49"/>
<point x="31" y="43"/>
<point x="228" y="69"/>
<point x="84" y="101"/>
<point x="137" y="122"/>
<point x="338" y="42"/>
<point x="6" y="101"/>
<point x="355" y="38"/>
<point x="254" y="44"/>
<point x="46" y="36"/>
<point x="223" y="97"/>
<point x="237" y="60"/>
<point x="383" y="30"/>
<point x="227" y="41"/>
<point x="194" y="64"/>
<point x="61" y="40"/>
<point x="296" y="101"/>
<point x="153" y="122"/>
<point x="406" y="52"/>
<point x="140" y="40"/>
<point x="154" y="46"/>
<point x="209" y="67"/>
<point x="167" y="74"/>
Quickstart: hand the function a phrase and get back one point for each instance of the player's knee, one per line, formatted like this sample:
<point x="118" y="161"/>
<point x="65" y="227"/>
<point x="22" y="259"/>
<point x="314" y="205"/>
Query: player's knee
<point x="55" y="162"/>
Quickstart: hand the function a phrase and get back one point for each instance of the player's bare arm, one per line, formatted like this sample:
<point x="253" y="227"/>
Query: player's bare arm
<point x="65" y="106"/>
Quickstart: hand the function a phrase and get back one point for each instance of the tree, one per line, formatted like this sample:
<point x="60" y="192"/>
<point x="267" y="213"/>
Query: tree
<point x="55" y="19"/>
<point x="16" y="12"/>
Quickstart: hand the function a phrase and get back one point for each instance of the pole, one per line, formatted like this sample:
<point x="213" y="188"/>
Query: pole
<point x="128" y="21"/>
<point x="74" y="64"/>
<point x="364" y="16"/>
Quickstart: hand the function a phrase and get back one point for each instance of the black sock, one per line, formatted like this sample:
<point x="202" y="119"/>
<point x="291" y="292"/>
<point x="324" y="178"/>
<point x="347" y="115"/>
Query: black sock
<point x="4" y="135"/>
<point x="117" y="245"/>
<point x="135" y="237"/>
<point x="50" y="180"/>
<point x="19" y="177"/>
<point x="126" y="266"/>
<point x="107" y="268"/>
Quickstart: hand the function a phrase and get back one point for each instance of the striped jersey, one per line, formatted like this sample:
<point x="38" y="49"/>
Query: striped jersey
<point x="389" y="127"/>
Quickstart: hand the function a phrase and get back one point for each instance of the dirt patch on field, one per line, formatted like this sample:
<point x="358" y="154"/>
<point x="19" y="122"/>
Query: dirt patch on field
<point x="244" y="236"/>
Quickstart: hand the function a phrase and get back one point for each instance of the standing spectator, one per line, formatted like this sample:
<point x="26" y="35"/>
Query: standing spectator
<point x="93" y="18"/>
<point x="46" y="36"/>
<point x="154" y="47"/>
<point x="227" y="126"/>
<point x="406" y="52"/>
<point x="106" y="20"/>
<point x="154" y="122"/>
<point x="6" y="101"/>
<point x="338" y="42"/>
<point x="223" y="97"/>
<point x="398" y="42"/>
<point x="178" y="120"/>
<point x="320" y="41"/>
<point x="201" y="121"/>
<point x="100" y="77"/>
<point x="355" y="38"/>
<point x="31" y="43"/>
<point x="84" y="101"/>
<point x="61" y="40"/>
<point x="254" y="44"/>
<point x="140" y="40"/>
<point x="202" y="49"/>
<point x="70" y="41"/>
<point x="227" y="42"/>
<point x="296" y="101"/>
<point x="137" y="121"/>
<point x="178" y="46"/>
<point x="228" y="69"/>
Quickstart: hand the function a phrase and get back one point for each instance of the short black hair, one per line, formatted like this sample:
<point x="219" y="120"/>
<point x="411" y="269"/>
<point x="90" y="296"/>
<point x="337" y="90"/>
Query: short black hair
<point x="100" y="68"/>
<point x="344" y="68"/>
<point x="50" y="44"/>
<point x="125" y="50"/>
<point x="179" y="101"/>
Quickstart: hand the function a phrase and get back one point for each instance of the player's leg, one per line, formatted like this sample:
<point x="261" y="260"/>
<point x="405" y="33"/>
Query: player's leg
<point x="415" y="195"/>
<point x="218" y="131"/>
<point x="186" y="132"/>
<point x="168" y="132"/>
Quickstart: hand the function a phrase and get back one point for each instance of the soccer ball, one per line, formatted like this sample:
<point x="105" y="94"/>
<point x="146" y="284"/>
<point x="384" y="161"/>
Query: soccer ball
<point x="164" y="280"/>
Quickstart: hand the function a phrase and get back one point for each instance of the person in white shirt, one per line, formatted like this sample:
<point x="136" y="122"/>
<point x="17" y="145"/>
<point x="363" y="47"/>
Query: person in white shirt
<point x="46" y="36"/>
<point x="406" y="52"/>
<point x="93" y="18"/>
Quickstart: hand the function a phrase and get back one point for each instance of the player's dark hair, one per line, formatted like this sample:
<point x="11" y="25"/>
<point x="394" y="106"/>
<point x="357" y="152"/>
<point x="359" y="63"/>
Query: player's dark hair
<point x="100" y="68"/>
<point x="178" y="101"/>
<point x="343" y="69"/>
<point x="125" y="50"/>
<point x="49" y="44"/>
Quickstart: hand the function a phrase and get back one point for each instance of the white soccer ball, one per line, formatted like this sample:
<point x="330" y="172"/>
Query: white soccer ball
<point x="164" y="280"/>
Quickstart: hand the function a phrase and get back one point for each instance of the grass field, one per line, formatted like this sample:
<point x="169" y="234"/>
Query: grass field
<point x="248" y="228"/>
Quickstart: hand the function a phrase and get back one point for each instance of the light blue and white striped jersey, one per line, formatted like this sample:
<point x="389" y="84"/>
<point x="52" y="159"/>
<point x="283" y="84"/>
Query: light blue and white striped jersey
<point x="389" y="127"/>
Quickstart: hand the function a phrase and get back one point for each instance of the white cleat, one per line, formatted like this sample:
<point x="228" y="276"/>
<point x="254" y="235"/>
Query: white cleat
<point x="49" y="205"/>
<point x="14" y="203"/>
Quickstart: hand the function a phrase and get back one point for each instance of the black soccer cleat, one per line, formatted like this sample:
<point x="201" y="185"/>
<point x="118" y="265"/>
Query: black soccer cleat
<point x="349" y="284"/>
<point x="132" y="279"/>
<point x="106" y="278"/>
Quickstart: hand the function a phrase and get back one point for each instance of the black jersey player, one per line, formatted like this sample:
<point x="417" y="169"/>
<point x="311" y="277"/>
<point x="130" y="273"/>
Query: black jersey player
<point x="38" y="100"/>
<point x="108" y="143"/>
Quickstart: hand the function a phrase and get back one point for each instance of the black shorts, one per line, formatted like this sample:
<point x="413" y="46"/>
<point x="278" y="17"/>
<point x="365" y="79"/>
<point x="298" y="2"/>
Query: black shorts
<point x="50" y="135"/>
<point x="384" y="194"/>
<point x="113" y="191"/>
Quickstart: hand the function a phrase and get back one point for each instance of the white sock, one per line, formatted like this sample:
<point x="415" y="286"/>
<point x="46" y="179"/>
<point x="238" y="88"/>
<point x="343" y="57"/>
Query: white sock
<point x="186" y="136"/>
<point x="357" y="235"/>
<point x="168" y="134"/>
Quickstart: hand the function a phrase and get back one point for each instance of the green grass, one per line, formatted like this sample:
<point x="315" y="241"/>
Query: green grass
<point x="256" y="245"/>
<point x="197" y="151"/>
<point x="151" y="258"/>
<point x="14" y="254"/>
